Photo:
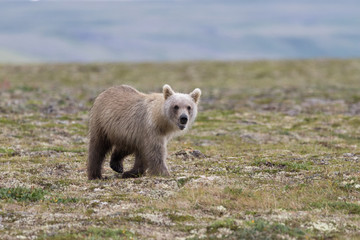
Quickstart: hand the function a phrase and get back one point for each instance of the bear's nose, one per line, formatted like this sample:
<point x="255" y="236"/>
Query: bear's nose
<point x="183" y="119"/>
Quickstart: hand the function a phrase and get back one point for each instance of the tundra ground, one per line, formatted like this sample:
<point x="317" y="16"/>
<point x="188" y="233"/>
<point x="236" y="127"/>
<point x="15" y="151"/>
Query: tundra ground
<point x="274" y="153"/>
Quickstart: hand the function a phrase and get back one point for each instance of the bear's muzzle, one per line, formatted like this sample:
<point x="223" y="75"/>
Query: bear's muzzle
<point x="183" y="121"/>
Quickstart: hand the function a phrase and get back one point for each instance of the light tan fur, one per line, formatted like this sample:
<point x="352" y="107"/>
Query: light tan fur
<point x="128" y="121"/>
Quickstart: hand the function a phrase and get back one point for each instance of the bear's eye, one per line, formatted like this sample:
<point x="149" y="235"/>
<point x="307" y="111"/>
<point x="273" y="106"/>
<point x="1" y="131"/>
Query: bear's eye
<point x="188" y="108"/>
<point x="176" y="107"/>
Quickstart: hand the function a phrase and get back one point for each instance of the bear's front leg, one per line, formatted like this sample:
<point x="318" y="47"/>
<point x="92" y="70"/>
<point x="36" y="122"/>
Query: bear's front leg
<point x="156" y="157"/>
<point x="138" y="169"/>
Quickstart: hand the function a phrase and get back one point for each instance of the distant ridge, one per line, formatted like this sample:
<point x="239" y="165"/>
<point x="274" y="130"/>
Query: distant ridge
<point x="136" y="31"/>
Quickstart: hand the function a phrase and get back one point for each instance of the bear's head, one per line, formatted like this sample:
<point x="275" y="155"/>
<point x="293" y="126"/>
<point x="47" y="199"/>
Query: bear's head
<point x="180" y="108"/>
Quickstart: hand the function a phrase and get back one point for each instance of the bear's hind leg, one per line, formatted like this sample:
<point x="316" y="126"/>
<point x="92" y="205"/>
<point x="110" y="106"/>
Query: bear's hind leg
<point x="138" y="169"/>
<point x="98" y="147"/>
<point x="117" y="158"/>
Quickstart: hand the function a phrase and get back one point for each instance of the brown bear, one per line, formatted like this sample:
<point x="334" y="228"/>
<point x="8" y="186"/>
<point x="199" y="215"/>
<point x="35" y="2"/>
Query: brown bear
<point x="127" y="121"/>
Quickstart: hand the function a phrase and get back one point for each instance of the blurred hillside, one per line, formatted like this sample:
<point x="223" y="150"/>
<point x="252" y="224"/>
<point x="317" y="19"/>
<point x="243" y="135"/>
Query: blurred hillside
<point x="48" y="31"/>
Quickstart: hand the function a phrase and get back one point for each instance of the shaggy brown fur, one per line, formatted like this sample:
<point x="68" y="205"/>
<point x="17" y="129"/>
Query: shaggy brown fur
<point x="127" y="121"/>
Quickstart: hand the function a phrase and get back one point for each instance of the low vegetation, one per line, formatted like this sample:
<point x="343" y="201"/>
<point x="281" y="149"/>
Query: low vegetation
<point x="274" y="154"/>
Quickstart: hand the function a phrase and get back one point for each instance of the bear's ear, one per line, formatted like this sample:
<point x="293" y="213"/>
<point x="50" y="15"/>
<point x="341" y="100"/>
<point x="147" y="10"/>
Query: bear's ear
<point x="167" y="91"/>
<point x="196" y="95"/>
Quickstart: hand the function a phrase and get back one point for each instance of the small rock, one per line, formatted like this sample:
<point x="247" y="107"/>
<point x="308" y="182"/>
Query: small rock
<point x="221" y="209"/>
<point x="49" y="109"/>
<point x="183" y="154"/>
<point x="189" y="154"/>
<point x="225" y="231"/>
<point x="220" y="134"/>
<point x="247" y="122"/>
<point x="197" y="154"/>
<point x="324" y="227"/>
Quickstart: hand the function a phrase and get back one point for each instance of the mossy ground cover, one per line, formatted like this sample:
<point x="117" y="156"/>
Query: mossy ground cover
<point x="274" y="153"/>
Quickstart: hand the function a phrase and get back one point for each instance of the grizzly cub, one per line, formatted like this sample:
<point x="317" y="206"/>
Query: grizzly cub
<point x="127" y="121"/>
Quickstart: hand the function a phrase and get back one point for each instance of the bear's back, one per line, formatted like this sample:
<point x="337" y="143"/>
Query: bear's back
<point x="116" y="100"/>
<point x="119" y="112"/>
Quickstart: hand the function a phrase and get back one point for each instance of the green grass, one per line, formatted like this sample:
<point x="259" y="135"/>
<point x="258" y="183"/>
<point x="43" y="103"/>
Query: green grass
<point x="180" y="218"/>
<point x="283" y="165"/>
<point x="22" y="194"/>
<point x="182" y="181"/>
<point x="348" y="208"/>
<point x="63" y="200"/>
<point x="4" y="120"/>
<point x="233" y="191"/>
<point x="60" y="149"/>
<point x="255" y="229"/>
<point x="7" y="151"/>
<point x="260" y="229"/>
<point x="224" y="223"/>
<point x="94" y="233"/>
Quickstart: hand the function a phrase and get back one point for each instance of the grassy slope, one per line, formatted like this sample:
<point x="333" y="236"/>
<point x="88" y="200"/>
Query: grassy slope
<point x="281" y="141"/>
